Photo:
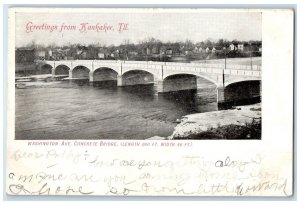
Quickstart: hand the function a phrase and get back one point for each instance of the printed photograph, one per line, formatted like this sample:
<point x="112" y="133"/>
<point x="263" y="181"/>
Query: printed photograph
<point x="149" y="74"/>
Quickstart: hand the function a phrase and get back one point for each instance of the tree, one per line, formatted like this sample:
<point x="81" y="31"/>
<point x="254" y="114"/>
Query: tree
<point x="222" y="43"/>
<point x="208" y="43"/>
<point x="188" y="45"/>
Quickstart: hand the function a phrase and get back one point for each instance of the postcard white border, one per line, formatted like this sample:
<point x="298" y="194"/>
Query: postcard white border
<point x="277" y="130"/>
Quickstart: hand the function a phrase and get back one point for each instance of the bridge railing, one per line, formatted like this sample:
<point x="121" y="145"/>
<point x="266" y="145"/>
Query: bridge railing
<point x="143" y="66"/>
<point x="197" y="69"/>
<point x="208" y="65"/>
<point x="194" y="67"/>
<point x="243" y="72"/>
<point x="243" y="67"/>
<point x="102" y="64"/>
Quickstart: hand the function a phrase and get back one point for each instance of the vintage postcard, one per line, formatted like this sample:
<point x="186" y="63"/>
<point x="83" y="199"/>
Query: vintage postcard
<point x="150" y="102"/>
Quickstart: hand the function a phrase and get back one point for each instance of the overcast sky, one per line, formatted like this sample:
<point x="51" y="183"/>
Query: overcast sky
<point x="166" y="27"/>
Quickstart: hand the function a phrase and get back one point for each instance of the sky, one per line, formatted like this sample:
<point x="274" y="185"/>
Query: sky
<point x="167" y="26"/>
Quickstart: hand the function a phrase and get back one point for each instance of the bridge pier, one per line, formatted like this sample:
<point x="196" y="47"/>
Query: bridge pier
<point x="159" y="86"/>
<point x="119" y="81"/>
<point x="70" y="73"/>
<point x="91" y="77"/>
<point x="53" y="72"/>
<point x="221" y="94"/>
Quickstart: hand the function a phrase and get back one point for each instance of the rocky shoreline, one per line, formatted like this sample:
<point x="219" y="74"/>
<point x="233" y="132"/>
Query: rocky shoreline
<point x="241" y="122"/>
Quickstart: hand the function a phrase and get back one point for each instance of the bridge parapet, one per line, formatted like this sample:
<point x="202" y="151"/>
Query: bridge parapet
<point x="163" y="69"/>
<point x="193" y="69"/>
<point x="243" y="72"/>
<point x="243" y="67"/>
<point x="106" y="63"/>
<point x="138" y="62"/>
<point x="193" y="64"/>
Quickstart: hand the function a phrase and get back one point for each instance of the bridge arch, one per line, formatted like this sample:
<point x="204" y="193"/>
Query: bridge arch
<point x="151" y="71"/>
<point x="186" y="81"/>
<point x="106" y="67"/>
<point x="245" y="90"/>
<point x="190" y="73"/>
<point x="61" y="69"/>
<point x="181" y="81"/>
<point x="46" y="69"/>
<point x="104" y="74"/>
<point x="80" y="72"/>
<point x="241" y="81"/>
<point x="136" y="77"/>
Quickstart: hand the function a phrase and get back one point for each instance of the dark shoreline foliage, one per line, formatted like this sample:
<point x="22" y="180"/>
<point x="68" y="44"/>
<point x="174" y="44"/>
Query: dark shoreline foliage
<point x="249" y="131"/>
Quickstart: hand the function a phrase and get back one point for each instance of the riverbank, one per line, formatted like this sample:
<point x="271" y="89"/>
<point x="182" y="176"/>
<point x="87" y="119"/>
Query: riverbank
<point x="241" y="122"/>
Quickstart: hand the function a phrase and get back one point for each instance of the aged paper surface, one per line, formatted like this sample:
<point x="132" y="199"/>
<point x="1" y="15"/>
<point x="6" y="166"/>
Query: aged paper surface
<point x="150" y="102"/>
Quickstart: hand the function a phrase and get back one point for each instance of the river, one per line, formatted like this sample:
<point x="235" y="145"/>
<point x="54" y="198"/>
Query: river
<point x="78" y="110"/>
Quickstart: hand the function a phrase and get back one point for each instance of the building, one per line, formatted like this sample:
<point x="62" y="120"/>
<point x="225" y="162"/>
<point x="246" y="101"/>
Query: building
<point x="200" y="49"/>
<point x="240" y="47"/>
<point x="232" y="47"/>
<point x="132" y="53"/>
<point x="155" y="50"/>
<point x="101" y="55"/>
<point x="169" y="52"/>
<point x="56" y="55"/>
<point x="187" y="52"/>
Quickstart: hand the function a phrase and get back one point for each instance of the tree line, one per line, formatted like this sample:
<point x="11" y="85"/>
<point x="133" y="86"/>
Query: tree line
<point x="152" y="48"/>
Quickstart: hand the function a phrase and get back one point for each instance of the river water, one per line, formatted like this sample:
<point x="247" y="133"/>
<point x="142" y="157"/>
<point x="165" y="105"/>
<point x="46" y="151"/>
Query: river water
<point x="77" y="110"/>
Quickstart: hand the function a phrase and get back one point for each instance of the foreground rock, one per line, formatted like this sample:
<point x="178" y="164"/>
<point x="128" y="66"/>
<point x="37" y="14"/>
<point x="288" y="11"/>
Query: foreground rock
<point x="243" y="122"/>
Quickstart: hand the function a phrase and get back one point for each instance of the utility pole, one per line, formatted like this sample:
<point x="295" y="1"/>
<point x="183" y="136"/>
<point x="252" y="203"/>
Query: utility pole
<point x="147" y="51"/>
<point x="223" y="73"/>
<point x="251" y="55"/>
<point x="224" y="48"/>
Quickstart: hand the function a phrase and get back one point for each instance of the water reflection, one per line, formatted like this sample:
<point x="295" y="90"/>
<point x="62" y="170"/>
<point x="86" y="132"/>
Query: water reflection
<point x="104" y="84"/>
<point x="186" y="99"/>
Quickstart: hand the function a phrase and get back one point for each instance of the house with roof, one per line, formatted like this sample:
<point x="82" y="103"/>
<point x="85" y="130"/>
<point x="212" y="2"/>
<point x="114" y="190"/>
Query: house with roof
<point x="213" y="50"/>
<point x="240" y="47"/>
<point x="155" y="50"/>
<point x="169" y="51"/>
<point x="101" y="55"/>
<point x="232" y="47"/>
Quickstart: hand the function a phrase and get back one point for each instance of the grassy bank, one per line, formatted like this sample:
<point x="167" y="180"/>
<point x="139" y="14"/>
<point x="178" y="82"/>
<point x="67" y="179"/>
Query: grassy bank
<point x="248" y="131"/>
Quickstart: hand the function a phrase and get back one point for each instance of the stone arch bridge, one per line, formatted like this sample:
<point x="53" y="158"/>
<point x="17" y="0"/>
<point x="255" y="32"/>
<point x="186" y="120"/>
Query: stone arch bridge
<point x="244" y="80"/>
